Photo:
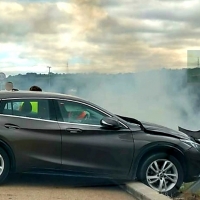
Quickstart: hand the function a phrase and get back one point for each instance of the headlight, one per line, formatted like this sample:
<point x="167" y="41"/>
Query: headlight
<point x="191" y="143"/>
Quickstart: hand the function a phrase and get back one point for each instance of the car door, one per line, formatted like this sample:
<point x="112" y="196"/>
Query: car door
<point x="32" y="133"/>
<point x="86" y="147"/>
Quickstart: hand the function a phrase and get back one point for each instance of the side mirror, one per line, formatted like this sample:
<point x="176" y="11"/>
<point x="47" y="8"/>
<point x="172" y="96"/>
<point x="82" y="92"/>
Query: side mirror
<point x="110" y="123"/>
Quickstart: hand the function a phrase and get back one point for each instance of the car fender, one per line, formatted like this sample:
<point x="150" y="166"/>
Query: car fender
<point x="149" y="149"/>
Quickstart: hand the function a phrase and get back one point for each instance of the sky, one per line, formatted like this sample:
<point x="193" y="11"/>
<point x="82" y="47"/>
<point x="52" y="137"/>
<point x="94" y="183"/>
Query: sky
<point x="106" y="36"/>
<point x="193" y="58"/>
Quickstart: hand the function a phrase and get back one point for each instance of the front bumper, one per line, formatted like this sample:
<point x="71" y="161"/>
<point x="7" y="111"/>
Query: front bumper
<point x="193" y="165"/>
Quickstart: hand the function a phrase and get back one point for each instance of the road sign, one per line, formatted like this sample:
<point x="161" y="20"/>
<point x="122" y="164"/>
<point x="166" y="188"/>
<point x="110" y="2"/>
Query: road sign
<point x="2" y="76"/>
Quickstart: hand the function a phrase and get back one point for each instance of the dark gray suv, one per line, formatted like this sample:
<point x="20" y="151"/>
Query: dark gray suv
<point x="54" y="133"/>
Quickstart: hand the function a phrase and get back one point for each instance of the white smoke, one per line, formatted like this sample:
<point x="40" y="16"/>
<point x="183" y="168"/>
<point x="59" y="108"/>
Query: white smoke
<point x="163" y="96"/>
<point x="160" y="97"/>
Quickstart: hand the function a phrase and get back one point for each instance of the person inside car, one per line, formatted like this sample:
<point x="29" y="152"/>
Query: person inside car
<point x="33" y="104"/>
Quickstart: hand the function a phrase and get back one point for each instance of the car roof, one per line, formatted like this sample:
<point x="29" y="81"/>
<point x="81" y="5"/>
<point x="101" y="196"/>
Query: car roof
<point x="36" y="94"/>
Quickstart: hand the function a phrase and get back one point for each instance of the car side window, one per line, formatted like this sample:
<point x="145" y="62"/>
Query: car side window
<point x="33" y="108"/>
<point x="75" y="112"/>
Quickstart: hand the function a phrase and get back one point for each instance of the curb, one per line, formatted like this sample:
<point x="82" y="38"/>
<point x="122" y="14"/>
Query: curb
<point x="142" y="192"/>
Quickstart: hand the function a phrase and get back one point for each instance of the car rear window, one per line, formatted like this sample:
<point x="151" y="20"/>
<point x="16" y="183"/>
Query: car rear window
<point x="33" y="108"/>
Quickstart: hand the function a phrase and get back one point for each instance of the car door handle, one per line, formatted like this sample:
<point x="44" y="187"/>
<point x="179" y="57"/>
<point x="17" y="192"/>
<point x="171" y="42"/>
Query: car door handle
<point x="74" y="130"/>
<point x="11" y="126"/>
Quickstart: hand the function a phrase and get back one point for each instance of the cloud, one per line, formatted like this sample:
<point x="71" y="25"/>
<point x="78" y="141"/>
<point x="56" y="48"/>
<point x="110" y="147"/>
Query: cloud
<point x="23" y="19"/>
<point x="102" y="36"/>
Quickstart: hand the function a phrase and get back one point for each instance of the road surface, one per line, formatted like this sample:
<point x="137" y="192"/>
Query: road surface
<point x="42" y="187"/>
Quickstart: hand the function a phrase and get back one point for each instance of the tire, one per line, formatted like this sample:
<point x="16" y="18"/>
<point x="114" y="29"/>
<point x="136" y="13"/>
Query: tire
<point x="4" y="165"/>
<point x="166" y="181"/>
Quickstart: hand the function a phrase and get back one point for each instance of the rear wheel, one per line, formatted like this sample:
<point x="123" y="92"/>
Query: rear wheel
<point x="162" y="173"/>
<point x="4" y="165"/>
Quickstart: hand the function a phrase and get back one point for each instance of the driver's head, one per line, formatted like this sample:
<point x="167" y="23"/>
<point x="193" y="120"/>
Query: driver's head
<point x="9" y="86"/>
<point x="35" y="88"/>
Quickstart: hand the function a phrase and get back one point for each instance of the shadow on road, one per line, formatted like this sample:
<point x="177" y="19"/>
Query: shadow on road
<point x="55" y="181"/>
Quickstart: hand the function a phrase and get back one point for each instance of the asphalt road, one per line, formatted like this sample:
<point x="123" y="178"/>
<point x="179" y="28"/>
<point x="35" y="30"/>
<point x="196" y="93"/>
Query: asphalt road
<point x="43" y="187"/>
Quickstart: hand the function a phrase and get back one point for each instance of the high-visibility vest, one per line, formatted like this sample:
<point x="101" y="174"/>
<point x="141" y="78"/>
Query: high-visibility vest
<point x="34" y="106"/>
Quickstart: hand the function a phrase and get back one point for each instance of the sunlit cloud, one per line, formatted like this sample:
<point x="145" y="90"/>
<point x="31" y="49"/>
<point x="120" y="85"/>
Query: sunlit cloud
<point x="93" y="35"/>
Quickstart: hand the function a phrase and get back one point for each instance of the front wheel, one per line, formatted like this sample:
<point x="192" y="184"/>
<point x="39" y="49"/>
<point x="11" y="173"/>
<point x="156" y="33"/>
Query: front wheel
<point x="163" y="173"/>
<point x="4" y="165"/>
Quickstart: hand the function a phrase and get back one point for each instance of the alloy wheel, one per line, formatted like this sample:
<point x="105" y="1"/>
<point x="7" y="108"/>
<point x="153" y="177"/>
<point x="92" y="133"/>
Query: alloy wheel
<point x="1" y="164"/>
<point x="162" y="175"/>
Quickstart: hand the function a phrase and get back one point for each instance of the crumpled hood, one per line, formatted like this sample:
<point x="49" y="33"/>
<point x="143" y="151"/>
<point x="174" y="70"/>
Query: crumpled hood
<point x="161" y="129"/>
<point x="155" y="128"/>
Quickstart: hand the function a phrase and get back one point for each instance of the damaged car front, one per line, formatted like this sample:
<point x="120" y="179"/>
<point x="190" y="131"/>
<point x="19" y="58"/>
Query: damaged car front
<point x="164" y="158"/>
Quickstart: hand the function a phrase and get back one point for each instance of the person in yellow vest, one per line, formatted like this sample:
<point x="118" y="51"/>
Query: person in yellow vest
<point x="33" y="104"/>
